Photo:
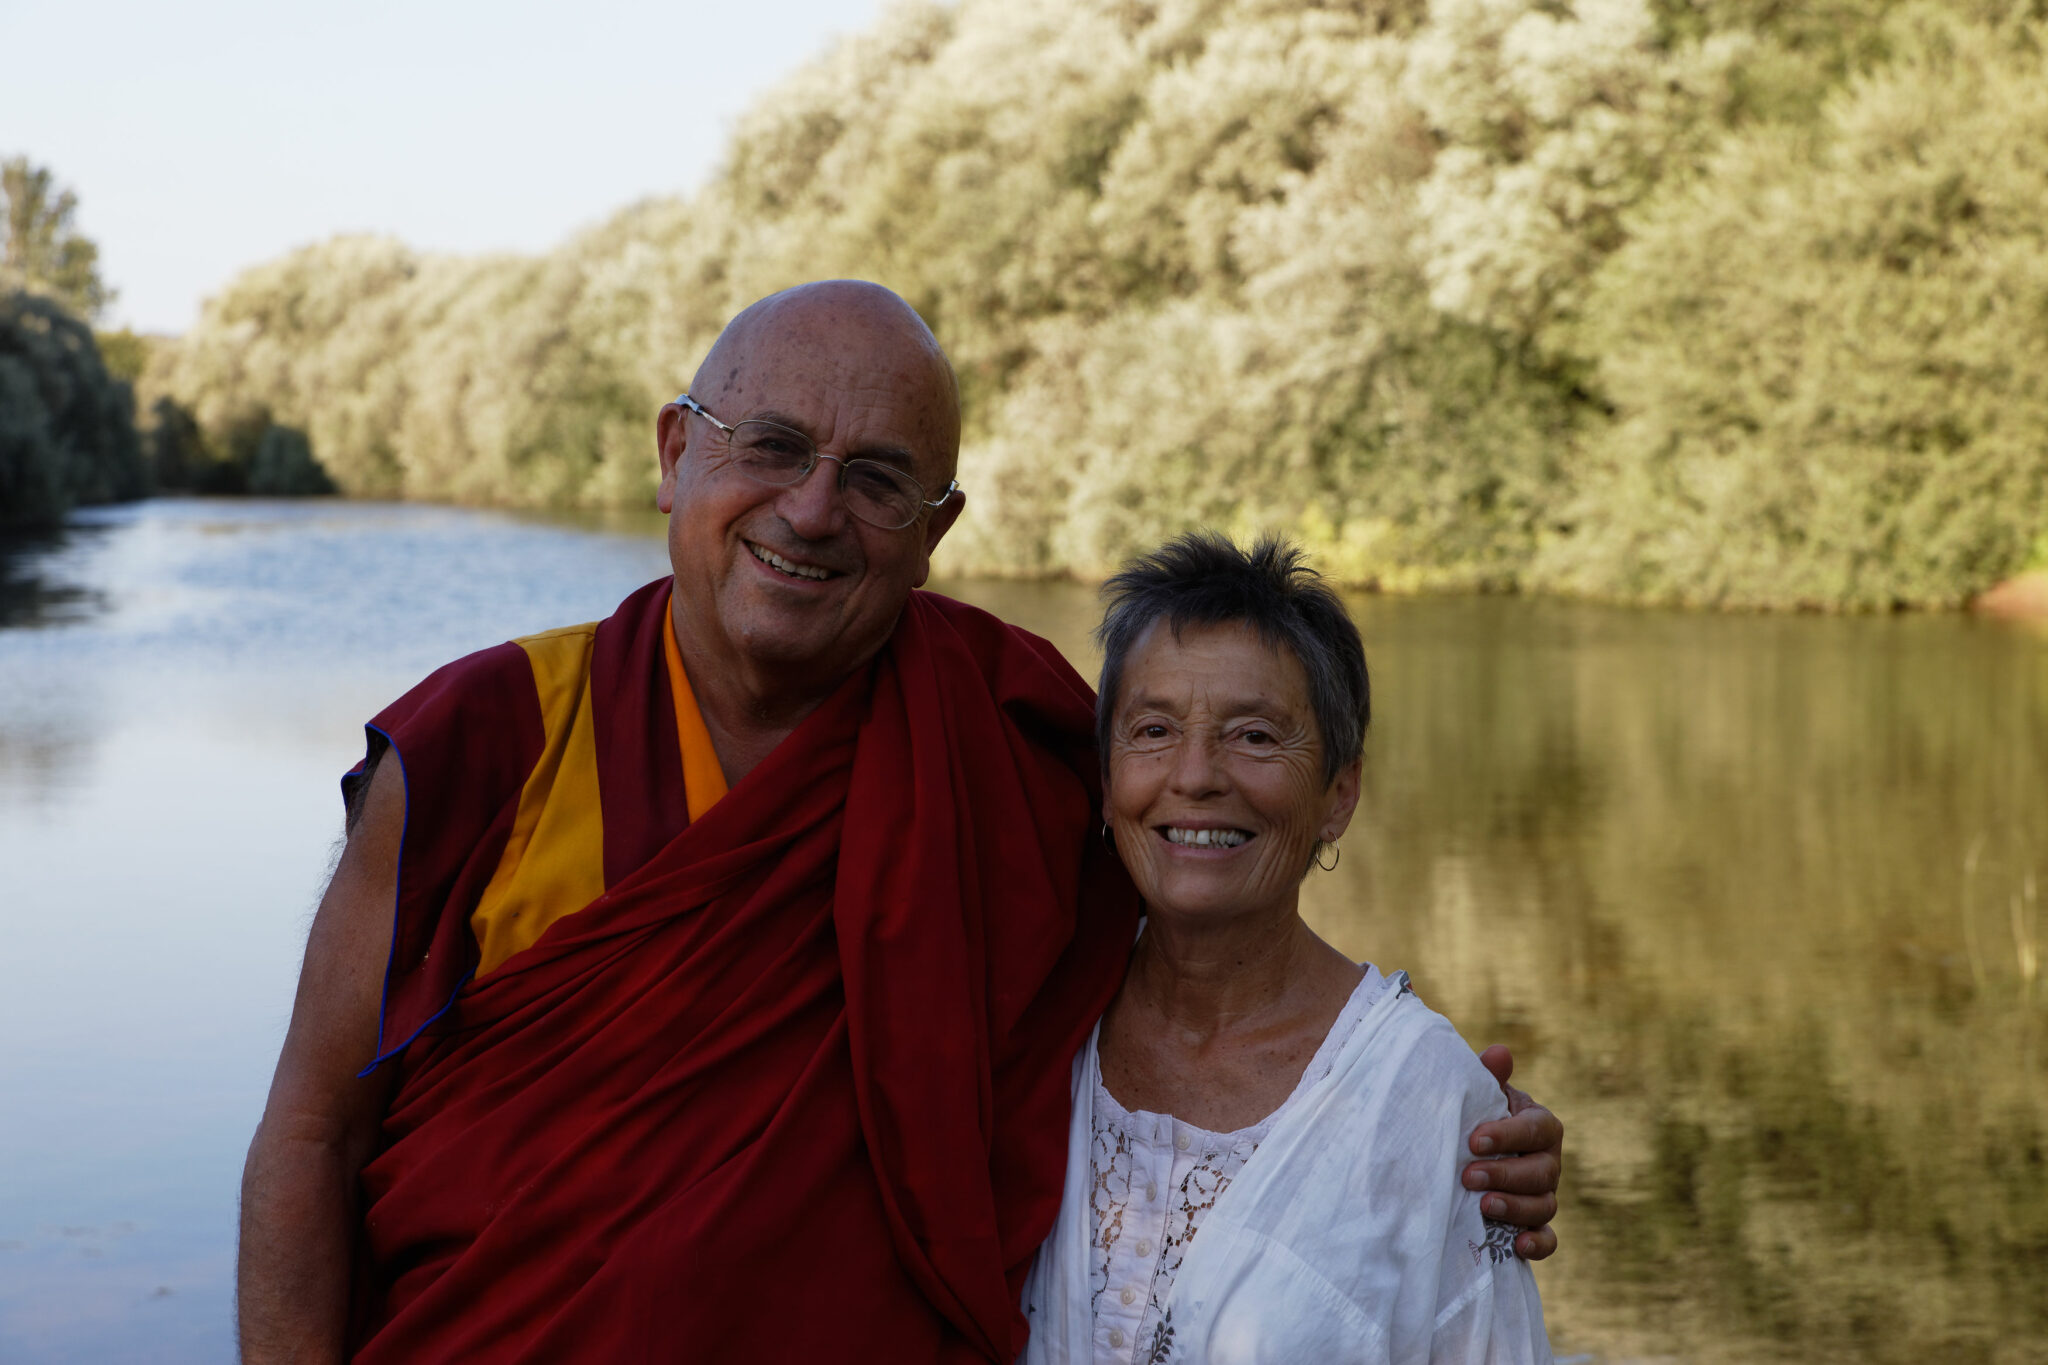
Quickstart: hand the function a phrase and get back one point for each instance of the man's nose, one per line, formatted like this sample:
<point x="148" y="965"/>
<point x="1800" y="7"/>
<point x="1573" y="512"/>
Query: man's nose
<point x="813" y="506"/>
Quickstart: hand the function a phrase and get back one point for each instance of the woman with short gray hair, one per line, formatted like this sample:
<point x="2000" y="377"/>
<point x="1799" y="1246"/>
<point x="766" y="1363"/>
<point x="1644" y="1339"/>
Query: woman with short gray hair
<point x="1250" y="1083"/>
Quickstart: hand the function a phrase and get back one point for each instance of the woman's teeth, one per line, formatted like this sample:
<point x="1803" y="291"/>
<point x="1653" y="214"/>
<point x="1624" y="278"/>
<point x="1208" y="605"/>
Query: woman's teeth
<point x="1206" y="838"/>
<point x="776" y="561"/>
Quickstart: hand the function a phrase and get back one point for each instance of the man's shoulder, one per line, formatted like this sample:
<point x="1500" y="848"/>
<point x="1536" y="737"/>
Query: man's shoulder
<point x="963" y="616"/>
<point x="500" y="669"/>
<point x="988" y="636"/>
<point x="503" y="671"/>
<point x="493" y="690"/>
<point x="559" y="637"/>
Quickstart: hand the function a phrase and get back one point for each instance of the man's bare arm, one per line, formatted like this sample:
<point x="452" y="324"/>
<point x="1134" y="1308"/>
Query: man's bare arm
<point x="320" y="1125"/>
<point x="1524" y="1181"/>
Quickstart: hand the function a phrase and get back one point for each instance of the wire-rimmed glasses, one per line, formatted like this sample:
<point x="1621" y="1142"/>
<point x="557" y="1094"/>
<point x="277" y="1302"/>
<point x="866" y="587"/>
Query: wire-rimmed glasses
<point x="771" y="453"/>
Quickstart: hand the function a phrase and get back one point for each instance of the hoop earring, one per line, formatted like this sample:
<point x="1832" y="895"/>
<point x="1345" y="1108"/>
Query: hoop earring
<point x="1108" y="837"/>
<point x="1336" y="855"/>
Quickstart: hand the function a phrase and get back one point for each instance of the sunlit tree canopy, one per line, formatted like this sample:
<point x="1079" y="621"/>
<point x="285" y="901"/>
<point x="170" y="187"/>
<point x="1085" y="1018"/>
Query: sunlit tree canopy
<point x="44" y="250"/>
<point x="1664" y="300"/>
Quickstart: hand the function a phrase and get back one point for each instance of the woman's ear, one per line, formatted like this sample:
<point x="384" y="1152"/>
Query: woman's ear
<point x="1343" y="801"/>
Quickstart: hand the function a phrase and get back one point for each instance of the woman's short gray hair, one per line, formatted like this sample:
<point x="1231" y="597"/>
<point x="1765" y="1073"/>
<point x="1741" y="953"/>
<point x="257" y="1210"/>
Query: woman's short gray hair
<point x="1205" y="579"/>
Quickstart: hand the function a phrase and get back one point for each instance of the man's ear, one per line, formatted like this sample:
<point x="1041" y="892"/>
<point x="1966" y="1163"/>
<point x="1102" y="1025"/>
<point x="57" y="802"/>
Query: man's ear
<point x="935" y="527"/>
<point x="669" y="430"/>
<point x="1343" y="798"/>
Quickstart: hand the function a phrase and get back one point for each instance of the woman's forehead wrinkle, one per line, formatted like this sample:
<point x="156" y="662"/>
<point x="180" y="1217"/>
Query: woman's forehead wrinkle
<point x="1201" y="701"/>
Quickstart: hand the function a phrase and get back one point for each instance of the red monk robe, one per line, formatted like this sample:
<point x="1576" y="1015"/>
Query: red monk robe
<point x="794" y="1084"/>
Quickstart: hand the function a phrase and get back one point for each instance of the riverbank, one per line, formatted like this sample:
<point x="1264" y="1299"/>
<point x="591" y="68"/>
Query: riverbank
<point x="2021" y="598"/>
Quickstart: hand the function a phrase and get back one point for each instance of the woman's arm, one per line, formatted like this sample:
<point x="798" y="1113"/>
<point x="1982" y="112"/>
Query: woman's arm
<point x="1489" y="1310"/>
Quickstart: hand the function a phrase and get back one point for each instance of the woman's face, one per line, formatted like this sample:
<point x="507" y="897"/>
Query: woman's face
<point x="1216" y="791"/>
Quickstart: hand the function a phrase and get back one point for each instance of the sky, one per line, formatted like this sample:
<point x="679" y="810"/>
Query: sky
<point x="206" y="136"/>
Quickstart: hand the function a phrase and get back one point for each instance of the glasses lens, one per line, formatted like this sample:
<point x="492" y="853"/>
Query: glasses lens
<point x="771" y="453"/>
<point x="877" y="494"/>
<point x="881" y="496"/>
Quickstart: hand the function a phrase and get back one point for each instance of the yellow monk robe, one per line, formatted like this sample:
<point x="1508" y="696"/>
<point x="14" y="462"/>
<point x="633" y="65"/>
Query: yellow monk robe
<point x="553" y="863"/>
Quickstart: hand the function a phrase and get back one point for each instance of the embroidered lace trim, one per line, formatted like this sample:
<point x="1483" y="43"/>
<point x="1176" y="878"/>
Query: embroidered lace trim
<point x="1131" y="1154"/>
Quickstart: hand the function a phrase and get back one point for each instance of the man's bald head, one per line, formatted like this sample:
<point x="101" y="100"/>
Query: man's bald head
<point x="839" y="324"/>
<point x="780" y="591"/>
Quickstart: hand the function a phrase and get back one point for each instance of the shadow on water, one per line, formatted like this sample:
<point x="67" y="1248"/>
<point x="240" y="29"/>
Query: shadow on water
<point x="33" y="588"/>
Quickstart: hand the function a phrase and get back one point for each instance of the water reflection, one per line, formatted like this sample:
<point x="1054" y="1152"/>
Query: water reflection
<point x="1749" y="896"/>
<point x="34" y="590"/>
<point x="167" y="807"/>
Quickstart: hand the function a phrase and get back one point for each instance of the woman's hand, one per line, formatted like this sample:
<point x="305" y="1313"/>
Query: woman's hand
<point x="1527" y="1148"/>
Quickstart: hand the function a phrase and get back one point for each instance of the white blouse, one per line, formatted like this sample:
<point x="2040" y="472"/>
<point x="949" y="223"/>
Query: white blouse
<point x="1152" y="1178"/>
<point x="1336" y="1230"/>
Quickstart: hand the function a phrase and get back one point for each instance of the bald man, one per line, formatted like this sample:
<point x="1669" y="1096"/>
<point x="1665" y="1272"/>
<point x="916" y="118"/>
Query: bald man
<point x="724" y="959"/>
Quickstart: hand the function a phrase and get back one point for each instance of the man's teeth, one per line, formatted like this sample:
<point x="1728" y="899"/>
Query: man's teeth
<point x="1206" y="838"/>
<point x="776" y="561"/>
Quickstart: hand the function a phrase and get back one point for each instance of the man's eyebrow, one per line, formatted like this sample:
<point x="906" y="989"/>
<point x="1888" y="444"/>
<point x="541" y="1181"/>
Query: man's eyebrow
<point x="887" y="454"/>
<point x="783" y="419"/>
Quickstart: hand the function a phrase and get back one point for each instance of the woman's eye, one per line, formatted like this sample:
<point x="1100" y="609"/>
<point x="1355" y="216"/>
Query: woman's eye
<point x="1258" y="737"/>
<point x="1152" y="732"/>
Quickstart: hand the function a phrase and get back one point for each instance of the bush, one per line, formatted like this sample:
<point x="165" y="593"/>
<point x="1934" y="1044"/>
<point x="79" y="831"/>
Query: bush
<point x="67" y="427"/>
<point x="283" y="466"/>
<point x="1829" y="358"/>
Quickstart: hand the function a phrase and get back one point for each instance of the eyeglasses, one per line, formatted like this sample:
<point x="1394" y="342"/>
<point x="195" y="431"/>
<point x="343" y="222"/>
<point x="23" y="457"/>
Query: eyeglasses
<point x="771" y="453"/>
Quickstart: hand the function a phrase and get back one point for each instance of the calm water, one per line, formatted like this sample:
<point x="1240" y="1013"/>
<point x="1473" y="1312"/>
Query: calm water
<point x="1757" y="902"/>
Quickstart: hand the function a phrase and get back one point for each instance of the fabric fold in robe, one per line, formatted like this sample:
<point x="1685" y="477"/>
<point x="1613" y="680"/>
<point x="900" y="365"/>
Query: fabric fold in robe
<point x="795" y="1086"/>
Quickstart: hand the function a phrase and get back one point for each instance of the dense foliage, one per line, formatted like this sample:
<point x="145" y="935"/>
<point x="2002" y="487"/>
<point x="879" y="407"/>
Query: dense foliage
<point x="67" y="427"/>
<point x="44" y="251"/>
<point x="1701" y="300"/>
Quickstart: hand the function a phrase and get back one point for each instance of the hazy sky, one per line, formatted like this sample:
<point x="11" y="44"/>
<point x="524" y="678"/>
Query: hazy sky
<point x="205" y="136"/>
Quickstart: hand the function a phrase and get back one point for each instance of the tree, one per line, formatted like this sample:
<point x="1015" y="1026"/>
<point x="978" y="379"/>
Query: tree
<point x="45" y="252"/>
<point x="283" y="466"/>
<point x="1461" y="294"/>
<point x="1827" y="357"/>
<point x="67" y="427"/>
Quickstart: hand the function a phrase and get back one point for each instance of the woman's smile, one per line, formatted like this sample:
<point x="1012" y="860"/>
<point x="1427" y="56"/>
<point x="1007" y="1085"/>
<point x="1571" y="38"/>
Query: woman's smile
<point x="1217" y="789"/>
<point x="1205" y="838"/>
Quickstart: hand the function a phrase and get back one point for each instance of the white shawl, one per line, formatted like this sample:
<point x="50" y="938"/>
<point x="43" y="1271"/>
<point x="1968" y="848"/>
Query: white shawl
<point x="1347" y="1236"/>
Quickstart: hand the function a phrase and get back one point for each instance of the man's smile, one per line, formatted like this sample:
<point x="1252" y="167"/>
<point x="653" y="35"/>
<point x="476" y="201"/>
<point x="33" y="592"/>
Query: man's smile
<point x="788" y="567"/>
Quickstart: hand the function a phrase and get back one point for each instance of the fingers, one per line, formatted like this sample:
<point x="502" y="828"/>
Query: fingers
<point x="1530" y="1211"/>
<point x="1521" y="1190"/>
<point x="1534" y="1246"/>
<point x="1532" y="1175"/>
<point x="1532" y="1128"/>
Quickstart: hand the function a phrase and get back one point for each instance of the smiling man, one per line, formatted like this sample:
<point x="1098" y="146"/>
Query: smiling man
<point x="704" y="982"/>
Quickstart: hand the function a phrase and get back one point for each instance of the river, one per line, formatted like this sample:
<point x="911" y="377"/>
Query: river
<point x="1756" y="900"/>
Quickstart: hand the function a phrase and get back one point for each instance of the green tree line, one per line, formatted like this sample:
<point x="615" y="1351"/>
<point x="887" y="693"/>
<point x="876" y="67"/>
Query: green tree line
<point x="68" y="431"/>
<point x="1709" y="301"/>
<point x="67" y="422"/>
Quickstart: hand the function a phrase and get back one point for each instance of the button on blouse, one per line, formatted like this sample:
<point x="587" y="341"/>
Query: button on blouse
<point x="1140" y="1238"/>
